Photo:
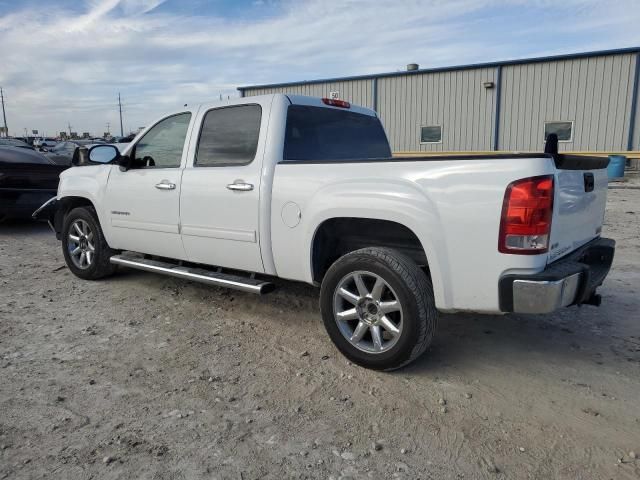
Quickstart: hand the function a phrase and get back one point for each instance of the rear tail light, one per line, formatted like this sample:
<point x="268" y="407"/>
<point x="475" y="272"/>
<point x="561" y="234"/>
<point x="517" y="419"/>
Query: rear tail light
<point x="336" y="103"/>
<point x="526" y="216"/>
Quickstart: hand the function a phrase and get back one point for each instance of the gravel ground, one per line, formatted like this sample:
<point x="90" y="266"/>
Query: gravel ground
<point x="143" y="376"/>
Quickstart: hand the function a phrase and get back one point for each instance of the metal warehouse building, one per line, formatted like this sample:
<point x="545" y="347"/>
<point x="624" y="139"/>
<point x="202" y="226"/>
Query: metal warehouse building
<point x="589" y="99"/>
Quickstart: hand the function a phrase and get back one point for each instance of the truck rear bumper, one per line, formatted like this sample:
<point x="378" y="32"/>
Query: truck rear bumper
<point x="571" y="280"/>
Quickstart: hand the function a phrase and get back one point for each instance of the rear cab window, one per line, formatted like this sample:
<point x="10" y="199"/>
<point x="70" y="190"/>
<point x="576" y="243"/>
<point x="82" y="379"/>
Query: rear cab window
<point x="332" y="135"/>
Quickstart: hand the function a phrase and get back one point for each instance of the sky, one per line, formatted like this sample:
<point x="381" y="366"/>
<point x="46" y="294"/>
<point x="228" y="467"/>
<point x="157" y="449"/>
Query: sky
<point x="65" y="61"/>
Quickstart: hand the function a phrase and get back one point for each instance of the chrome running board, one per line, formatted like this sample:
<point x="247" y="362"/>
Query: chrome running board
<point x="202" y="275"/>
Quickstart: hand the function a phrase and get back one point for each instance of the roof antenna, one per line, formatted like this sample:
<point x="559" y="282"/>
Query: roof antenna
<point x="551" y="145"/>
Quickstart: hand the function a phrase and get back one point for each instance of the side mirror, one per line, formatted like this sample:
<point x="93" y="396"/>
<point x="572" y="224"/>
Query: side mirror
<point x="103" y="154"/>
<point x="80" y="156"/>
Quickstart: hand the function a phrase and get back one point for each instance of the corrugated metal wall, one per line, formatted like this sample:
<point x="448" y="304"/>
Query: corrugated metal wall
<point x="358" y="92"/>
<point x="456" y="101"/>
<point x="595" y="93"/>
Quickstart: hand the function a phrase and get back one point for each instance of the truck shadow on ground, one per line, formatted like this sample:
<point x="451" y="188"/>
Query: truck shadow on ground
<point x="466" y="340"/>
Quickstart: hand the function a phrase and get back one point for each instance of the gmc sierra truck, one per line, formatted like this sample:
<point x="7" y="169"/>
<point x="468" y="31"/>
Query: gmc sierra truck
<point x="233" y="194"/>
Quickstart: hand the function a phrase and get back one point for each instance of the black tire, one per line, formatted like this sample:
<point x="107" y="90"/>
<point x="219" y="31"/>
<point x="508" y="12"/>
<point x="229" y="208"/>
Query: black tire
<point x="413" y="290"/>
<point x="100" y="266"/>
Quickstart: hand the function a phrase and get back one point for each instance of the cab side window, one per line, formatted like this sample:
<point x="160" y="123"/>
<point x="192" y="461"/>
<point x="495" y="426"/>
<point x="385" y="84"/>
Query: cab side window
<point x="229" y="136"/>
<point x="162" y="145"/>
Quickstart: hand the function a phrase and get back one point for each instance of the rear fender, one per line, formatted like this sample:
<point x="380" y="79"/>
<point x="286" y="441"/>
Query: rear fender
<point x="400" y="201"/>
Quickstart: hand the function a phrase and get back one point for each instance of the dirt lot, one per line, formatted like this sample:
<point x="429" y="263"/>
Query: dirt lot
<point x="143" y="376"/>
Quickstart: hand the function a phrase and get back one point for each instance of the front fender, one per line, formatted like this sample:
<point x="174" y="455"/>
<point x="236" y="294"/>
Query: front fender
<point x="47" y="211"/>
<point x="89" y="183"/>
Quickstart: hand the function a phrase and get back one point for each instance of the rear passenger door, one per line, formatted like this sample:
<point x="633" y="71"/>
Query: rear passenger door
<point x="220" y="196"/>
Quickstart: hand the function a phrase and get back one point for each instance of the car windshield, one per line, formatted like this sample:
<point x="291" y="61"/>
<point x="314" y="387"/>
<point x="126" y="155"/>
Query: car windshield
<point x="64" y="147"/>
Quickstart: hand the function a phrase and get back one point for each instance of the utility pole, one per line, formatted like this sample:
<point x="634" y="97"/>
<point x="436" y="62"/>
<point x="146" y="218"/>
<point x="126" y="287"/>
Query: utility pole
<point x="120" y="107"/>
<point x="4" y="115"/>
<point x="69" y="129"/>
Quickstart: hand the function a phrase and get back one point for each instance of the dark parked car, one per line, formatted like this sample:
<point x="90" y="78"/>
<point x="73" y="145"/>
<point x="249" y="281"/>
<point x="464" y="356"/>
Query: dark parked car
<point x="14" y="142"/>
<point x="27" y="180"/>
<point x="126" y="139"/>
<point x="62" y="153"/>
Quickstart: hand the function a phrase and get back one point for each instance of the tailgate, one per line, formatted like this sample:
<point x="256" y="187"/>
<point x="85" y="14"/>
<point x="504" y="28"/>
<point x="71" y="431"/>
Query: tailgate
<point x="579" y="203"/>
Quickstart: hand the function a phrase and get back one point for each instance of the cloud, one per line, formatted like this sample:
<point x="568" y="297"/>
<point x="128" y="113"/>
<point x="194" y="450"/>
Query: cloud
<point x="68" y="64"/>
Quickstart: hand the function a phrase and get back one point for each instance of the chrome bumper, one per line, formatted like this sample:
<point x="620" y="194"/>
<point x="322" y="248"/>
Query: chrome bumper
<point x="569" y="281"/>
<point x="545" y="296"/>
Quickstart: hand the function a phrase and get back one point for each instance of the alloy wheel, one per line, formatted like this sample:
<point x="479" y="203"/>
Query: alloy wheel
<point x="367" y="311"/>
<point x="80" y="244"/>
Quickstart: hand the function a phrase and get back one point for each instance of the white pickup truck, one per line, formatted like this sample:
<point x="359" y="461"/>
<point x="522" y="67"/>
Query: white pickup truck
<point x="235" y="193"/>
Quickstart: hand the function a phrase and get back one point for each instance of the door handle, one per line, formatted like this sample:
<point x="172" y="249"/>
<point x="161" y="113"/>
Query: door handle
<point x="165" y="185"/>
<point x="240" y="186"/>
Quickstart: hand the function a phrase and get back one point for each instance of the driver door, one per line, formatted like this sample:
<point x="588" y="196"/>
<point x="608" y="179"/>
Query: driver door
<point x="142" y="203"/>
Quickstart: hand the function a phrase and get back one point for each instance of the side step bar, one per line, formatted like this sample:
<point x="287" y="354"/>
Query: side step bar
<point x="251" y="285"/>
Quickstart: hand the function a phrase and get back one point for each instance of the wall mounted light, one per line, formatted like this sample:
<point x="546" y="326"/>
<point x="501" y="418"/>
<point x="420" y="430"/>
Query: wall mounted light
<point x="488" y="85"/>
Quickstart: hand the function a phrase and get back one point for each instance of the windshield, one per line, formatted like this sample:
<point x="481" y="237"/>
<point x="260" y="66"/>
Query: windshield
<point x="328" y="134"/>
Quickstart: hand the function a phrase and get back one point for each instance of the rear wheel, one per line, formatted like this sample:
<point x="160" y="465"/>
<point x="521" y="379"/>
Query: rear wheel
<point x="378" y="308"/>
<point x="83" y="245"/>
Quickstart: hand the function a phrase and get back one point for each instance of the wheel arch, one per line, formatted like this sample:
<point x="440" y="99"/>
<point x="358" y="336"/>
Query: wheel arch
<point x="64" y="206"/>
<point x="334" y="236"/>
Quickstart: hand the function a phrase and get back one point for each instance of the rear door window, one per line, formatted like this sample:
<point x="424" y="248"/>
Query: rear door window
<point x="229" y="136"/>
<point x="333" y="135"/>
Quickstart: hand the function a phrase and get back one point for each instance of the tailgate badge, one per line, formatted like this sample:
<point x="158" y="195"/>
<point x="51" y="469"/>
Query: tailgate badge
<point x="588" y="182"/>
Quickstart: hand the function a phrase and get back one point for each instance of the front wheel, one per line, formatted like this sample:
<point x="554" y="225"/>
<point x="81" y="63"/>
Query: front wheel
<point x="84" y="247"/>
<point x="378" y="308"/>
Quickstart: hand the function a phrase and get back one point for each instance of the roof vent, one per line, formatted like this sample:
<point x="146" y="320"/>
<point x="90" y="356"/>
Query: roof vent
<point x="412" y="67"/>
